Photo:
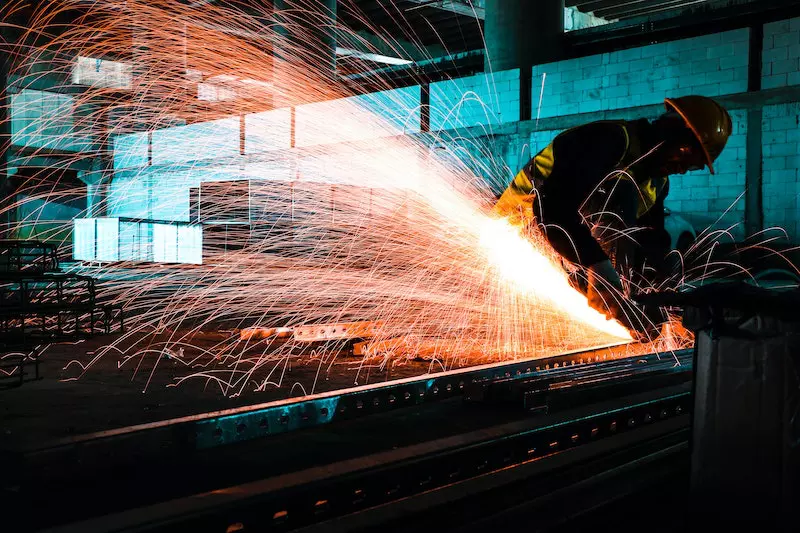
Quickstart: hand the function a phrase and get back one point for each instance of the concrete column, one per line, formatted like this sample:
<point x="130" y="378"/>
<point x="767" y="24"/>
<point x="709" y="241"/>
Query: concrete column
<point x="101" y="171"/>
<point x="97" y="181"/>
<point x="6" y="187"/>
<point x="305" y="49"/>
<point x="96" y="199"/>
<point x="754" y="184"/>
<point x="522" y="33"/>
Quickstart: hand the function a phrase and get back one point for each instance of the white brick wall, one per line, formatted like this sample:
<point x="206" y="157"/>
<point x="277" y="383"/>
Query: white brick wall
<point x="781" y="186"/>
<point x="128" y="194"/>
<point x="369" y="116"/>
<point x="130" y="150"/>
<point x="781" y="57"/>
<point x="268" y="130"/>
<point x="485" y="99"/>
<point x="41" y="119"/>
<point x="204" y="140"/>
<point x="711" y="65"/>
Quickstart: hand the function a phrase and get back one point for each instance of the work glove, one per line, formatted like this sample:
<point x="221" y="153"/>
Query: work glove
<point x="604" y="287"/>
<point x="605" y="294"/>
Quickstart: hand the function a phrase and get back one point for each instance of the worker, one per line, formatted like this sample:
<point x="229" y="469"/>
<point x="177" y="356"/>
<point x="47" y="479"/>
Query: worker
<point x="597" y="191"/>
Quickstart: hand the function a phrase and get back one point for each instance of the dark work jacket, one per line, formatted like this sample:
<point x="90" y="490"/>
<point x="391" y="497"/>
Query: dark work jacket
<point x="585" y="170"/>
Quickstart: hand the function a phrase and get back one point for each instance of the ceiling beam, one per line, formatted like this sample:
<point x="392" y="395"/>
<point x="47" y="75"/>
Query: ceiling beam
<point x="367" y="56"/>
<point x="463" y="8"/>
<point x="588" y="6"/>
<point x="643" y="8"/>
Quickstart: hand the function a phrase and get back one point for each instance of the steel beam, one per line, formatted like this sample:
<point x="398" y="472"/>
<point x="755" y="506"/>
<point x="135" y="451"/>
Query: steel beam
<point x="465" y="9"/>
<point x="208" y="430"/>
<point x="6" y="187"/>
<point x="754" y="191"/>
<point x="643" y="8"/>
<point x="339" y="496"/>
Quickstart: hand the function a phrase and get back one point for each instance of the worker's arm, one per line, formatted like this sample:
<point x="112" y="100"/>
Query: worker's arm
<point x="618" y="221"/>
<point x="516" y="202"/>
<point x="583" y="159"/>
<point x="654" y="218"/>
<point x="654" y="239"/>
<point x="557" y="216"/>
<point x="566" y="232"/>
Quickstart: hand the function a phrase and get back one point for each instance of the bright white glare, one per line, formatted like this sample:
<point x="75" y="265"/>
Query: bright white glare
<point x="377" y="58"/>
<point x="101" y="73"/>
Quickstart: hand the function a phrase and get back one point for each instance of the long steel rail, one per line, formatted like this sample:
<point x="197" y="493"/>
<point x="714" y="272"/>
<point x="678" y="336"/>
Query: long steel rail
<point x="217" y="428"/>
<point x="534" y="451"/>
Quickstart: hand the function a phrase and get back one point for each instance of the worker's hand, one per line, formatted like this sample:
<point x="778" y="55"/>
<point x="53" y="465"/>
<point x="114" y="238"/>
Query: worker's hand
<point x="605" y="294"/>
<point x="604" y="288"/>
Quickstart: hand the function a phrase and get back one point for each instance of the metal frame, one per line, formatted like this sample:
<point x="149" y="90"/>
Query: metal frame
<point x="13" y="368"/>
<point x="419" y="477"/>
<point x="38" y="303"/>
<point x="52" y="302"/>
<point x="28" y="257"/>
<point x="220" y="428"/>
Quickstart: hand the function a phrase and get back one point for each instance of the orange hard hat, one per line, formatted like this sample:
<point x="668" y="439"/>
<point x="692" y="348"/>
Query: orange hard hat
<point x="708" y="120"/>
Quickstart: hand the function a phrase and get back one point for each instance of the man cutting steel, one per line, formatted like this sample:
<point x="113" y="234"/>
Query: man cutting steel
<point x="597" y="193"/>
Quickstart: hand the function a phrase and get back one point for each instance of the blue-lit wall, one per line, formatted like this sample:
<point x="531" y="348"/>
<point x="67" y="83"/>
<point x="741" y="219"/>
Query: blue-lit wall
<point x="781" y="128"/>
<point x="397" y="112"/>
<point x="48" y="120"/>
<point x="711" y="65"/>
<point x="476" y="120"/>
<point x="480" y="100"/>
<point x="781" y="58"/>
<point x="781" y="189"/>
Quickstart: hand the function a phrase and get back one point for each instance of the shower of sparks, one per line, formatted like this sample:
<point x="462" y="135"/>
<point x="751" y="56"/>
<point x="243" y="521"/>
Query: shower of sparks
<point x="381" y="228"/>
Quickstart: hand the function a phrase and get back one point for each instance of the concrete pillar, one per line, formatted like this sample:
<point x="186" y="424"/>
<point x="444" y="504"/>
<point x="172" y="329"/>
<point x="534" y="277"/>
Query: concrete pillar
<point x="754" y="183"/>
<point x="305" y="49"/>
<point x="522" y="33"/>
<point x="97" y="181"/>
<point x="6" y="187"/>
<point x="96" y="199"/>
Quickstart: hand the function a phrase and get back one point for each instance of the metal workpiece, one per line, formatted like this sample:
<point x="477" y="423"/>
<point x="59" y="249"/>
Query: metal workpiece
<point x="294" y="464"/>
<point x="360" y="493"/>
<point x="229" y="426"/>
<point x="280" y="417"/>
<point x="585" y="384"/>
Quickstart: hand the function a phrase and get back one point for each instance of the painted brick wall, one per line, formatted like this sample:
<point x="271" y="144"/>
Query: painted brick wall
<point x="267" y="131"/>
<point x="130" y="150"/>
<point x="160" y="193"/>
<point x="711" y="65"/>
<point x="129" y="194"/>
<point x="484" y="164"/>
<point x="780" y="65"/>
<point x="781" y="186"/>
<point x="204" y="140"/>
<point x="41" y="119"/>
<point x="369" y="116"/>
<point x="481" y="100"/>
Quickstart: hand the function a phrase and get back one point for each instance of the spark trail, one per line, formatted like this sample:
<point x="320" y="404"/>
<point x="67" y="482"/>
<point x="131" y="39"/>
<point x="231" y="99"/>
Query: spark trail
<point x="376" y="228"/>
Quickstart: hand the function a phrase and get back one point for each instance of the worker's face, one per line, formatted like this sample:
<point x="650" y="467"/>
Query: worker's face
<point x="682" y="159"/>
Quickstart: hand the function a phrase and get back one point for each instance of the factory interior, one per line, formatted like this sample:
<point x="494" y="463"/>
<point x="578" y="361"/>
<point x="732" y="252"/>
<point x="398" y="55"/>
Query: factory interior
<point x="399" y="265"/>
